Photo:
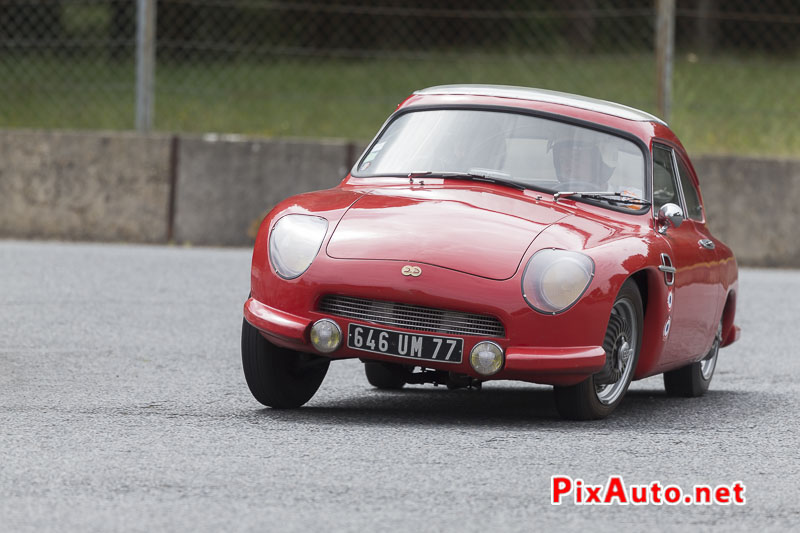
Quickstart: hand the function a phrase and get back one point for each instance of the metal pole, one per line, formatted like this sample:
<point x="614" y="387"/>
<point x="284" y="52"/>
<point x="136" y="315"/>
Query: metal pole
<point x="145" y="62"/>
<point x="665" y="50"/>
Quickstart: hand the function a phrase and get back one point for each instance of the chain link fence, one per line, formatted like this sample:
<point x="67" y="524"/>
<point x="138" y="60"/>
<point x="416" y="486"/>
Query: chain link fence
<point x="337" y="68"/>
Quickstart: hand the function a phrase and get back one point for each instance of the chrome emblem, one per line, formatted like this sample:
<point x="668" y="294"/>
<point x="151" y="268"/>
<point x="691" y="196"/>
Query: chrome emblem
<point x="409" y="270"/>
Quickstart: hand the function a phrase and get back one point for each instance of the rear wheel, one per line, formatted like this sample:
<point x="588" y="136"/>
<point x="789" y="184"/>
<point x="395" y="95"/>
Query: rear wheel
<point x="279" y="377"/>
<point x="386" y="375"/>
<point x="693" y="380"/>
<point x="597" y="396"/>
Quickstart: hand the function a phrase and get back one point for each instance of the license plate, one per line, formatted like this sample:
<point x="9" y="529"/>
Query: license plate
<point x="408" y="345"/>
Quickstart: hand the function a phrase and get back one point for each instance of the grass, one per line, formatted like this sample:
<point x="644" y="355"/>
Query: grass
<point x="744" y="105"/>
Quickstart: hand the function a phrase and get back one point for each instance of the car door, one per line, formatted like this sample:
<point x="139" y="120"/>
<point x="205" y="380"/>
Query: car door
<point x="695" y="281"/>
<point x="696" y="216"/>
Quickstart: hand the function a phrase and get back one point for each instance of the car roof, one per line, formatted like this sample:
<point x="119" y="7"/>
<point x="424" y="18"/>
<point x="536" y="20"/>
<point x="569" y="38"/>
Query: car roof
<point x="544" y="95"/>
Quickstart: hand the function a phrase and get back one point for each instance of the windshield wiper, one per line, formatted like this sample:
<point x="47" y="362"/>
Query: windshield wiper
<point x="485" y="176"/>
<point x="613" y="197"/>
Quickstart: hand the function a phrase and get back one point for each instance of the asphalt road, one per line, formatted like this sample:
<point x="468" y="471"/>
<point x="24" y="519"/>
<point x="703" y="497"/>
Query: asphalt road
<point x="123" y="407"/>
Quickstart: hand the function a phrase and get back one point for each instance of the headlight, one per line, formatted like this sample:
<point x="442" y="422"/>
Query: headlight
<point x="486" y="358"/>
<point x="294" y="243"/>
<point x="326" y="336"/>
<point x="555" y="279"/>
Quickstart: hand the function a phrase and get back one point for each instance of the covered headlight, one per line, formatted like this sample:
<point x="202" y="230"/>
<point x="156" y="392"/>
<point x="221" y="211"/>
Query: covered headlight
<point x="555" y="279"/>
<point x="294" y="243"/>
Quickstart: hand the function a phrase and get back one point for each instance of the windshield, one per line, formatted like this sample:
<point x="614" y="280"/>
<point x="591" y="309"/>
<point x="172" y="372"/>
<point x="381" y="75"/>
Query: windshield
<point x="535" y="152"/>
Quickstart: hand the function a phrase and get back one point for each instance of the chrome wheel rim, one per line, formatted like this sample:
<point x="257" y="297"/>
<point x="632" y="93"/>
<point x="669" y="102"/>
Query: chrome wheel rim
<point x="625" y="347"/>
<point x="709" y="363"/>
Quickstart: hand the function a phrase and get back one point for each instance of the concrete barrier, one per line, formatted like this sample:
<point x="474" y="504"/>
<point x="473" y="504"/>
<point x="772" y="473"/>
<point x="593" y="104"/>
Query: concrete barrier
<point x="753" y="205"/>
<point x="227" y="184"/>
<point x="214" y="190"/>
<point x="84" y="186"/>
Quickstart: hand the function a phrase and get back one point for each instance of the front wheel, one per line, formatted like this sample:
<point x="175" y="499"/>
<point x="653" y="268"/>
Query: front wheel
<point x="597" y="396"/>
<point x="693" y="380"/>
<point x="279" y="377"/>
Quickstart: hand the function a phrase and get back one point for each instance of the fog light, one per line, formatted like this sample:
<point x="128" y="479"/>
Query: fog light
<point x="326" y="336"/>
<point x="486" y="358"/>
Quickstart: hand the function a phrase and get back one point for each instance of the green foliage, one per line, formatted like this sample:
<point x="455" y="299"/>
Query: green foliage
<point x="728" y="104"/>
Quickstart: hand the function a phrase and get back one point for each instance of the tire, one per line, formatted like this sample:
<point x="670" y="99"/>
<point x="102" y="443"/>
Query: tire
<point x="279" y="377"/>
<point x="386" y="376"/>
<point x="597" y="396"/>
<point x="693" y="380"/>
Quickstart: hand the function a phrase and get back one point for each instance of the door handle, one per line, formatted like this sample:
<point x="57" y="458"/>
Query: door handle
<point x="708" y="244"/>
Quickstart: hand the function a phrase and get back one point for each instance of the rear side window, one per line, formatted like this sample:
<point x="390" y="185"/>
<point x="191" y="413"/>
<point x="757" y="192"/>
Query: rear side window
<point x="665" y="189"/>
<point x="693" y="208"/>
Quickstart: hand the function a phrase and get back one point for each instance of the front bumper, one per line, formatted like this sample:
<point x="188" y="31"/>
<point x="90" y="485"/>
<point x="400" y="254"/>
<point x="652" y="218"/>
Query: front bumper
<point x="551" y="365"/>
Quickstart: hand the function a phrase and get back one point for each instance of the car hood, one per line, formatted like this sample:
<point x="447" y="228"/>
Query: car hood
<point x="473" y="229"/>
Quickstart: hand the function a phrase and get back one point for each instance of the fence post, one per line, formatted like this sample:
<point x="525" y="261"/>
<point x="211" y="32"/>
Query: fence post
<point x="665" y="49"/>
<point x="145" y="63"/>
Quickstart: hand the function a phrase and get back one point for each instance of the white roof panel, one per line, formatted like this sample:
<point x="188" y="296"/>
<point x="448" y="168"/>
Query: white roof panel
<point x="543" y="95"/>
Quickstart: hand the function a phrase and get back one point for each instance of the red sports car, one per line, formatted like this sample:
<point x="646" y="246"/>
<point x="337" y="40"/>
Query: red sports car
<point x="493" y="232"/>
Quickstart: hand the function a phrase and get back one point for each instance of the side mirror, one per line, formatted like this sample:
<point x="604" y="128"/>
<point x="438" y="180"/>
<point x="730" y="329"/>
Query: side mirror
<point x="669" y="215"/>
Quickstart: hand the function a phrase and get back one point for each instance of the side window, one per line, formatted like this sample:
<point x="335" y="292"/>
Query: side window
<point x="693" y="208"/>
<point x="665" y="189"/>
